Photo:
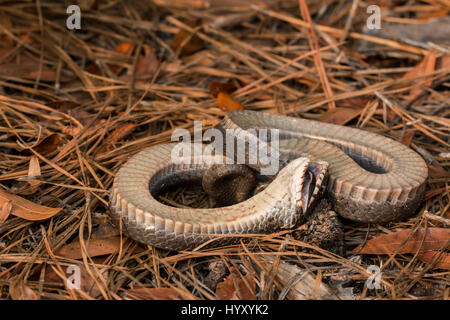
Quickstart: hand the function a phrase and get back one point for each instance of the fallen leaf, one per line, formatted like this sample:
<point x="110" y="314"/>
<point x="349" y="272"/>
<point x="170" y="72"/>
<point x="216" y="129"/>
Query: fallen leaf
<point x="88" y="4"/>
<point x="340" y="115"/>
<point x="72" y="131"/>
<point x="425" y="15"/>
<point x="443" y="262"/>
<point x="216" y="87"/>
<point x="5" y="211"/>
<point x="435" y="239"/>
<point x="26" y="209"/>
<point x="445" y="61"/>
<point x="226" y="289"/>
<point x="226" y="103"/>
<point x="356" y="103"/>
<point x="95" y="247"/>
<point x="426" y="66"/>
<point x="407" y="138"/>
<point x="5" y="21"/>
<point x="125" y="48"/>
<point x="34" y="171"/>
<point x="30" y="184"/>
<point x="186" y="43"/>
<point x="185" y="4"/>
<point x="93" y="68"/>
<point x="302" y="283"/>
<point x="29" y="69"/>
<point x="87" y="283"/>
<point x="147" y="65"/>
<point x="119" y="133"/>
<point x="20" y="291"/>
<point x="44" y="145"/>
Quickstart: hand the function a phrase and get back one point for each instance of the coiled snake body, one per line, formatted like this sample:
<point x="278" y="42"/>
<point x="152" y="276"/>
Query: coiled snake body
<point x="371" y="178"/>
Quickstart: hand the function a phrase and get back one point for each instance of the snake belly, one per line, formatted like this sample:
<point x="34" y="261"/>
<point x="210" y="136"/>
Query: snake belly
<point x="371" y="178"/>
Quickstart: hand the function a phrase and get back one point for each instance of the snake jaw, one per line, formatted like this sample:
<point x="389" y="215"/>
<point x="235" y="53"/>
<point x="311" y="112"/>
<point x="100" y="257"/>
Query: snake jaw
<point x="311" y="175"/>
<point x="312" y="183"/>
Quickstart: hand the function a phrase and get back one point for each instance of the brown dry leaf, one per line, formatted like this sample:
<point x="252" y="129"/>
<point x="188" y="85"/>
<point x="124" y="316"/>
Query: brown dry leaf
<point x="435" y="239"/>
<point x="340" y="115"/>
<point x="71" y="131"/>
<point x="48" y="144"/>
<point x="184" y="4"/>
<point x="34" y="170"/>
<point x="226" y="290"/>
<point x="5" y="21"/>
<point x="44" y="145"/>
<point x="427" y="65"/>
<point x="226" y="102"/>
<point x="5" y="211"/>
<point x="95" y="247"/>
<point x="29" y="70"/>
<point x="356" y="103"/>
<point x="87" y="283"/>
<point x="445" y="61"/>
<point x="88" y="4"/>
<point x="146" y="65"/>
<point x="425" y="15"/>
<point x="186" y="43"/>
<point x="93" y="68"/>
<point x="443" y="262"/>
<point x="26" y="209"/>
<point x="28" y="293"/>
<point x="216" y="87"/>
<point x="119" y="133"/>
<point x="20" y="291"/>
<point x="407" y="138"/>
<point x="153" y="294"/>
<point x="127" y="49"/>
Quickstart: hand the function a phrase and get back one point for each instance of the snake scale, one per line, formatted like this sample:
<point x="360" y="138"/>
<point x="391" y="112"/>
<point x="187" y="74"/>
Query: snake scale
<point x="366" y="176"/>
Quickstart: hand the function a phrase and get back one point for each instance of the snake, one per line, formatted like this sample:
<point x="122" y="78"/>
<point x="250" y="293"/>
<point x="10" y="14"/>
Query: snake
<point x="367" y="177"/>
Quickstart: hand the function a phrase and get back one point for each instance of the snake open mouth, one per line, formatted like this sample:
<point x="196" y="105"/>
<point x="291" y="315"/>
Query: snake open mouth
<point x="312" y="183"/>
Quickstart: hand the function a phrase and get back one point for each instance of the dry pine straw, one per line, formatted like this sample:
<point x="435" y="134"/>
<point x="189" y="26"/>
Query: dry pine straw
<point x="121" y="84"/>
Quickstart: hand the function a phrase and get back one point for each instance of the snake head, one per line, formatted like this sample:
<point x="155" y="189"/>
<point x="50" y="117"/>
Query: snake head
<point x="307" y="181"/>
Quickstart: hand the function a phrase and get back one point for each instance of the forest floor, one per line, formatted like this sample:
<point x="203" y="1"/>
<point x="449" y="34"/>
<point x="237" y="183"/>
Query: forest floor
<point x="75" y="104"/>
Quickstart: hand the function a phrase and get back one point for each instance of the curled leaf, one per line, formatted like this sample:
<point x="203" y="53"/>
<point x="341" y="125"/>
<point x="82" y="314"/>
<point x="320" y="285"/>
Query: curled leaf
<point x="26" y="209"/>
<point x="235" y="288"/>
<point x="34" y="170"/>
<point x="432" y="239"/>
<point x="45" y="145"/>
<point x="5" y="211"/>
<point x="186" y="43"/>
<point x="442" y="259"/>
<point x="227" y="103"/>
<point x="216" y="87"/>
<point x="95" y="247"/>
<point x="340" y="115"/>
